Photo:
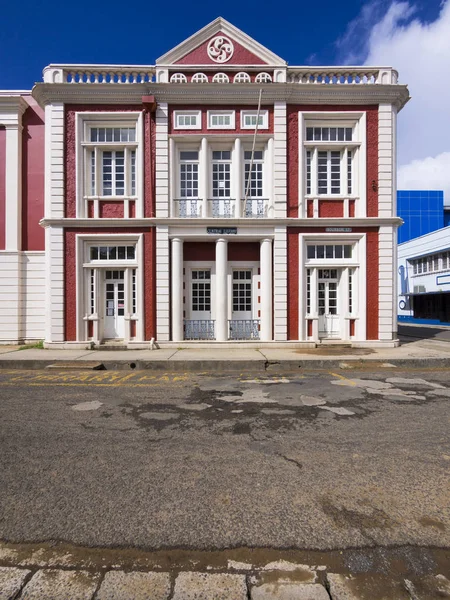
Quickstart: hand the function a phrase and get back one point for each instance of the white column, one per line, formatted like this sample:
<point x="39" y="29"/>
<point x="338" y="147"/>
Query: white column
<point x="204" y="175"/>
<point x="269" y="179"/>
<point x="173" y="193"/>
<point x="221" y="290"/>
<point x="13" y="186"/>
<point x="266" y="290"/>
<point x="177" y="290"/>
<point x="237" y="171"/>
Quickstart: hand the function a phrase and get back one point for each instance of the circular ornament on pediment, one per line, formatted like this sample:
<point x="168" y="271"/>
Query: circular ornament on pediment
<point x="220" y="49"/>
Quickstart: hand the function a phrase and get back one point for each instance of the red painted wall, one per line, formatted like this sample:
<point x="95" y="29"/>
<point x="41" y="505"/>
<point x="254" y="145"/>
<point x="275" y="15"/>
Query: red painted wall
<point x="70" y="292"/>
<point x="245" y="251"/>
<point x="70" y="149"/>
<point x="2" y="187"/>
<point x="331" y="208"/>
<point x="293" y="153"/>
<point x="241" y="56"/>
<point x="205" y="107"/>
<point x="372" y="305"/>
<point x="111" y="210"/>
<point x="33" y="171"/>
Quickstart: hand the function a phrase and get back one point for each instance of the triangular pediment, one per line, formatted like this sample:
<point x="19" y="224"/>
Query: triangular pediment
<point x="220" y="43"/>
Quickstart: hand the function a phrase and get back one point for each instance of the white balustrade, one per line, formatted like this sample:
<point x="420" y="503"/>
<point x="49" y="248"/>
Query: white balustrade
<point x="107" y="74"/>
<point x="342" y="75"/>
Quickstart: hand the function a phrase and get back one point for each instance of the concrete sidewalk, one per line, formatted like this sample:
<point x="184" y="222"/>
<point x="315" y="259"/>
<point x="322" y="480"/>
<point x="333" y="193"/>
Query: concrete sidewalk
<point x="414" y="354"/>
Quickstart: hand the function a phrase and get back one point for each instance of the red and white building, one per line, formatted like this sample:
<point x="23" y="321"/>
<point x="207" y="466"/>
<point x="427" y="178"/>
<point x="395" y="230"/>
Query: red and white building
<point x="218" y="195"/>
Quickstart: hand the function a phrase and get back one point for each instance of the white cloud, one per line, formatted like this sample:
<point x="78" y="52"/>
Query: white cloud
<point x="418" y="174"/>
<point x="420" y="51"/>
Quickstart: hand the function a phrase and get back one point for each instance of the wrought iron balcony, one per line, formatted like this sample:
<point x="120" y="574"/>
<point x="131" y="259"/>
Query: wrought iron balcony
<point x="188" y="208"/>
<point x="243" y="329"/>
<point x="199" y="329"/>
<point x="255" y="208"/>
<point x="222" y="207"/>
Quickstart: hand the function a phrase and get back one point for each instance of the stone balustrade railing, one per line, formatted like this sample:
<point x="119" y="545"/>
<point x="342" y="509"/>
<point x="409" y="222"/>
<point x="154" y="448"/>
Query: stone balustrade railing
<point x="98" y="74"/>
<point x="107" y="74"/>
<point x="342" y="75"/>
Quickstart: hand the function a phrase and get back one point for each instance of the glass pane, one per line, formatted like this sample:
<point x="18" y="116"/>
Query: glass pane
<point x="103" y="253"/>
<point x="130" y="252"/>
<point x="121" y="252"/>
<point x="311" y="252"/>
<point x="94" y="253"/>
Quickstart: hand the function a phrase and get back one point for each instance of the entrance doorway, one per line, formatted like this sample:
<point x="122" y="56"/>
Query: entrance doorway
<point x="327" y="303"/>
<point x="114" y="327"/>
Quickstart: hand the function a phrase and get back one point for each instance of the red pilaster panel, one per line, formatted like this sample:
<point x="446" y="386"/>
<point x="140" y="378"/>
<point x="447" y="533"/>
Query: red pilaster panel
<point x="292" y="283"/>
<point x="373" y="300"/>
<point x="33" y="152"/>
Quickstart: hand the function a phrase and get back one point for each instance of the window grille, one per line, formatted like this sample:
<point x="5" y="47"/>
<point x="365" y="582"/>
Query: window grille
<point x="199" y="78"/>
<point x="221" y="78"/>
<point x="329" y="134"/>
<point x="263" y="78"/>
<point x="178" y="78"/>
<point x="241" y="78"/>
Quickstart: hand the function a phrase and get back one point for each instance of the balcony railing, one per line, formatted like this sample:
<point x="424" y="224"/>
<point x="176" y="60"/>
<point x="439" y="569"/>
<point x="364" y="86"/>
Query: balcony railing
<point x="99" y="74"/>
<point x="222" y="207"/>
<point x="255" y="208"/>
<point x="199" y="329"/>
<point x="188" y="208"/>
<point x="243" y="329"/>
<point x="342" y="75"/>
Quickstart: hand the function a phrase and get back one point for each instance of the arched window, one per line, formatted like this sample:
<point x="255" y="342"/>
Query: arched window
<point x="199" y="78"/>
<point x="178" y="78"/>
<point x="221" y="78"/>
<point x="263" y="78"/>
<point x="241" y="78"/>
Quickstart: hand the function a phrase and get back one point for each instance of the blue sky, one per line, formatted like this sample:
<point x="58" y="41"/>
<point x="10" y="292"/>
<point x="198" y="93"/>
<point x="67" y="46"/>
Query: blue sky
<point x="411" y="35"/>
<point x="34" y="34"/>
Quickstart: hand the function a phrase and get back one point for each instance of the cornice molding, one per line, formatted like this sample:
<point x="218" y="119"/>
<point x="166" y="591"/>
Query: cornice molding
<point x="291" y="93"/>
<point x="13" y="105"/>
<point x="217" y="222"/>
<point x="219" y="25"/>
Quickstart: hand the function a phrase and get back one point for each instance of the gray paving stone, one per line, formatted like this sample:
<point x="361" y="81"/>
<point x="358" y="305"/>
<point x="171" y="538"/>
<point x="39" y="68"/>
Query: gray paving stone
<point x="118" y="585"/>
<point x="355" y="587"/>
<point x="11" y="580"/>
<point x="205" y="586"/>
<point x="289" y="591"/>
<point x="53" y="584"/>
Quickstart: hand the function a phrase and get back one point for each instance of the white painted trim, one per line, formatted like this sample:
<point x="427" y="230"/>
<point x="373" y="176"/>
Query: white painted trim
<point x="187" y="113"/>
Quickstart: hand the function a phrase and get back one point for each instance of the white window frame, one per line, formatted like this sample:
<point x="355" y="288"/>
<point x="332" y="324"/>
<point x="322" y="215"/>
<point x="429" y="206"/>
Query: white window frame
<point x="199" y="78"/>
<point x="230" y="113"/>
<point x="355" y="120"/>
<point x="221" y="78"/>
<point x="187" y="113"/>
<point x="178" y="78"/>
<point x="263" y="78"/>
<point x="242" y="77"/>
<point x="83" y="243"/>
<point x="264" y="115"/>
<point x="85" y="121"/>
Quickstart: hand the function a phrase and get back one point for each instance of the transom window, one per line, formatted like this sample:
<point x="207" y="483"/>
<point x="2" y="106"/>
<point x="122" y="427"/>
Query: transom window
<point x="221" y="119"/>
<point x="329" y="134"/>
<point x="187" y="119"/>
<point x="334" y="251"/>
<point x="112" y="253"/>
<point x="249" y="119"/>
<point x="113" y="134"/>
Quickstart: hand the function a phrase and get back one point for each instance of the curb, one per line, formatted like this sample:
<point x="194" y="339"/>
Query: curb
<point x="236" y="366"/>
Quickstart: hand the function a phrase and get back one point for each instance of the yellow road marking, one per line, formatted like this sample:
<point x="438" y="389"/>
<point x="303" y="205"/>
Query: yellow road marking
<point x="342" y="377"/>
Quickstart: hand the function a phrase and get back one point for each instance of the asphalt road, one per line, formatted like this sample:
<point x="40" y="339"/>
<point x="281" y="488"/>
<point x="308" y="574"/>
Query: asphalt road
<point x="322" y="460"/>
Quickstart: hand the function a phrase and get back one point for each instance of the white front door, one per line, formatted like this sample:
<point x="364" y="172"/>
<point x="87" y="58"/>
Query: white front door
<point x="114" y="327"/>
<point x="327" y="302"/>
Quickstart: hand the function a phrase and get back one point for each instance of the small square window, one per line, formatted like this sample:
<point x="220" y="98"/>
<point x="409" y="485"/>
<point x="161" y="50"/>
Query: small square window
<point x="250" y="117"/>
<point x="187" y="119"/>
<point x="221" y="119"/>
